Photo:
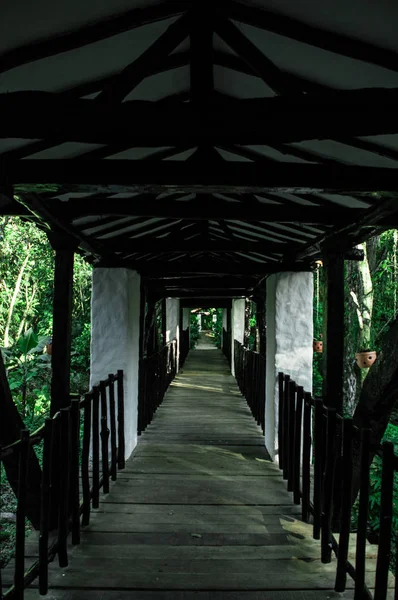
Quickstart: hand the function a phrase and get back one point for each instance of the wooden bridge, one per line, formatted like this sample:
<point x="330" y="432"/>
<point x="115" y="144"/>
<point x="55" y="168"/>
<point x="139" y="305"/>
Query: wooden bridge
<point x="200" y="512"/>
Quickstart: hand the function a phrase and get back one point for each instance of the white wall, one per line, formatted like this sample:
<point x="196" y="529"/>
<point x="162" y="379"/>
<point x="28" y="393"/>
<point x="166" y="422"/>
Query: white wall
<point x="289" y="341"/>
<point x="238" y="327"/>
<point x="186" y="316"/>
<point x="115" y="329"/>
<point x="173" y="323"/>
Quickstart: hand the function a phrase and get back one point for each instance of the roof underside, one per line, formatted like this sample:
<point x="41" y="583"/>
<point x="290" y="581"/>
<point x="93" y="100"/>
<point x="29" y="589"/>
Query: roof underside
<point x="204" y="146"/>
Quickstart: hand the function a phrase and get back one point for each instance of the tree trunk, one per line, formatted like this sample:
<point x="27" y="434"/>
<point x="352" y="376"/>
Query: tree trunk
<point x="358" y="322"/>
<point x="11" y="425"/>
<point x="14" y="298"/>
<point x="378" y="397"/>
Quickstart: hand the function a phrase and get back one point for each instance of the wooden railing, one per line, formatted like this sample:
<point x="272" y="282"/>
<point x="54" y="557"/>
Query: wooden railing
<point x="316" y="448"/>
<point x="156" y="374"/>
<point x="60" y="486"/>
<point x="250" y="375"/>
<point x="226" y="344"/>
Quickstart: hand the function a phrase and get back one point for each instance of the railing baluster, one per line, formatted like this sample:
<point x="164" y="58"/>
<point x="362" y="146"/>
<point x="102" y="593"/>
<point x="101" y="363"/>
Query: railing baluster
<point x="345" y="520"/>
<point x="104" y="438"/>
<point x="292" y="388"/>
<point x="297" y="445"/>
<point x="21" y="515"/>
<point x="45" y="505"/>
<point x="86" y="459"/>
<point x="386" y="514"/>
<point x="281" y="395"/>
<point x="95" y="446"/>
<point x="120" y="420"/>
<point x="328" y="486"/>
<point x="360" y="556"/>
<point x="306" y="458"/>
<point x="285" y="426"/>
<point x="318" y="468"/>
<point x="63" y="528"/>
<point x="74" y="471"/>
<point x="112" y="417"/>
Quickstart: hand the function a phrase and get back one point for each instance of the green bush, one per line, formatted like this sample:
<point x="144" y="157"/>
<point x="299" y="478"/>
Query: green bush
<point x="194" y="330"/>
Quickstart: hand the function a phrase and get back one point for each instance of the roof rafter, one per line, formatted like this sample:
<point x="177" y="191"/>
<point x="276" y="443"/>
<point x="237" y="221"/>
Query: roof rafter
<point x="309" y="34"/>
<point x="260" y="121"/>
<point x="119" y="87"/>
<point x="178" y="177"/>
<point x="265" y="68"/>
<point x="93" y="32"/>
<point x="203" y="208"/>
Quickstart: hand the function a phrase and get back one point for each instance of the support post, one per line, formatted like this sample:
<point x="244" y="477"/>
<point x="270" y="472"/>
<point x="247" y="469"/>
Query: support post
<point x="289" y="336"/>
<point x="333" y="348"/>
<point x="64" y="246"/>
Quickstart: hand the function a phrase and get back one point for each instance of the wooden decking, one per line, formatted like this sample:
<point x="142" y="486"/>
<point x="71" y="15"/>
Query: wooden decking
<point x="200" y="513"/>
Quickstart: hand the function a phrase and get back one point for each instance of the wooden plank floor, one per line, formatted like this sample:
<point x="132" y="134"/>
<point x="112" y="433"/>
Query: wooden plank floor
<point x="200" y="513"/>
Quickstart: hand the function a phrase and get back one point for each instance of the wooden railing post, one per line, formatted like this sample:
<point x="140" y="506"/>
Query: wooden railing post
<point x="21" y="515"/>
<point x="95" y="446"/>
<point x="120" y="420"/>
<point x="318" y="467"/>
<point x="104" y="438"/>
<point x="386" y="515"/>
<point x="86" y="459"/>
<point x="297" y="445"/>
<point x="346" y="496"/>
<point x="291" y="407"/>
<point x="360" y="556"/>
<point x="74" y="496"/>
<point x="112" y="417"/>
<point x="45" y="505"/>
<point x="306" y="459"/>
<point x="64" y="471"/>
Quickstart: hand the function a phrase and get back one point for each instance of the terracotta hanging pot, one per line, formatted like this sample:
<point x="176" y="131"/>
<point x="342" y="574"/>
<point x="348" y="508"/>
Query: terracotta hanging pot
<point x="365" y="359"/>
<point x="49" y="349"/>
<point x="317" y="346"/>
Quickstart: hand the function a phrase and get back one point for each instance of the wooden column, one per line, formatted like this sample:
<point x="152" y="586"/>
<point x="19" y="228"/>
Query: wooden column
<point x="333" y="326"/>
<point x="64" y="247"/>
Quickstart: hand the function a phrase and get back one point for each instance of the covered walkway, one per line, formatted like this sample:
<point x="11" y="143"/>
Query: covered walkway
<point x="199" y="512"/>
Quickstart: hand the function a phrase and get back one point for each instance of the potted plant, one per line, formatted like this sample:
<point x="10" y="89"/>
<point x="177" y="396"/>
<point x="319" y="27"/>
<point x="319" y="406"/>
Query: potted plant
<point x="317" y="345"/>
<point x="365" y="358"/>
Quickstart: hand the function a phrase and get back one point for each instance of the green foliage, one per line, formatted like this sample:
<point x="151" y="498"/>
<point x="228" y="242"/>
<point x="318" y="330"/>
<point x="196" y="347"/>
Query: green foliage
<point x="375" y="475"/>
<point x="217" y="326"/>
<point x="28" y="368"/>
<point x="194" y="329"/>
<point x="26" y="297"/>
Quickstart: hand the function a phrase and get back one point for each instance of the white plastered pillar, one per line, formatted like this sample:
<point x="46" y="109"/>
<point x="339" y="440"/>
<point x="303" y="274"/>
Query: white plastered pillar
<point x="115" y="330"/>
<point x="173" y="324"/>
<point x="238" y="327"/>
<point x="289" y="341"/>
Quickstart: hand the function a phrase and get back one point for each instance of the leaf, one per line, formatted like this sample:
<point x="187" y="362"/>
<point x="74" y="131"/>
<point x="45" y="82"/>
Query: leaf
<point x="42" y="343"/>
<point x="27" y="341"/>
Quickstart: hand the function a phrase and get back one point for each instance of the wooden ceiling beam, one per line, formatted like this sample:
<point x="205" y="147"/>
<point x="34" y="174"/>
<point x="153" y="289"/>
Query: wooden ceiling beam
<point x="140" y="176"/>
<point x="94" y="32"/>
<point x="208" y="266"/>
<point x="32" y="115"/>
<point x="373" y="219"/>
<point x="118" y="88"/>
<point x="205" y="303"/>
<point x="309" y="34"/>
<point x="205" y="293"/>
<point x="202" y="209"/>
<point x="263" y="66"/>
<point x="199" y="244"/>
